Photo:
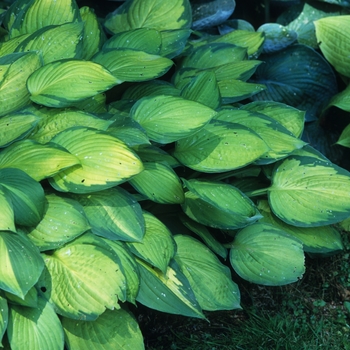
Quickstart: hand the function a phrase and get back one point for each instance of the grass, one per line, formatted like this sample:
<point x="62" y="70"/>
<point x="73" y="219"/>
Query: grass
<point x="310" y="314"/>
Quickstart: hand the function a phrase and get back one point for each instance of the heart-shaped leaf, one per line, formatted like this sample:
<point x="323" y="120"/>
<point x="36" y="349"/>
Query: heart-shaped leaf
<point x="35" y="328"/>
<point x="309" y="192"/>
<point x="62" y="83"/>
<point x="21" y="261"/>
<point x="266" y="255"/>
<point x="210" y="280"/>
<point x="114" y="327"/>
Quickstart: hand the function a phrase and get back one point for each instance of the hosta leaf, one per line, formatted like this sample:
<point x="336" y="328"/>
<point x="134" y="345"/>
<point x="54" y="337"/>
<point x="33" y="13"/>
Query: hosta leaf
<point x="62" y="83"/>
<point x="214" y="55"/>
<point x="236" y="90"/>
<point x="93" y="36"/>
<point x="168" y="189"/>
<point x="288" y="81"/>
<point x="3" y="317"/>
<point x="157" y="239"/>
<point x="63" y="221"/>
<point x="344" y="138"/>
<point x="210" y="280"/>
<point x="169" y="118"/>
<point x="174" y="42"/>
<point x="332" y="34"/>
<point x="308" y="192"/>
<point x="9" y="46"/>
<point x="130" y="267"/>
<point x="35" y="14"/>
<point x="7" y="216"/>
<point x="37" y="160"/>
<point x="82" y="279"/>
<point x="218" y="205"/>
<point x="291" y="118"/>
<point x="35" y="328"/>
<point x="53" y="121"/>
<point x="323" y="239"/>
<point x="95" y="104"/>
<point x="116" y="329"/>
<point x="133" y="65"/>
<point x="281" y="141"/>
<point x="54" y="42"/>
<point x="21" y="263"/>
<point x="242" y="70"/>
<point x="266" y="255"/>
<point x="14" y="72"/>
<point x="26" y="195"/>
<point x="114" y="214"/>
<point x="341" y="100"/>
<point x="204" y="89"/>
<point x="167" y="292"/>
<point x="105" y="161"/>
<point x="16" y="126"/>
<point x="30" y="299"/>
<point x="150" y="14"/>
<point x="150" y="153"/>
<point x="203" y="232"/>
<point x="140" y="39"/>
<point x="220" y="147"/>
<point x="150" y="88"/>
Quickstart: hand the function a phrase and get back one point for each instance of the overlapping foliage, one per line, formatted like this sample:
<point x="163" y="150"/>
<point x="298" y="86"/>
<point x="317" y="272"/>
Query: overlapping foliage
<point x="149" y="196"/>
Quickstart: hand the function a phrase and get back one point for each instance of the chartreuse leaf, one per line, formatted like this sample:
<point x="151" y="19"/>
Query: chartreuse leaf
<point x="168" y="189"/>
<point x="210" y="280"/>
<point x="220" y="146"/>
<point x="341" y="100"/>
<point x="115" y="329"/>
<point x="150" y="88"/>
<point x="203" y="232"/>
<point x="3" y="317"/>
<point x="174" y="42"/>
<point x="242" y="70"/>
<point x="16" y="126"/>
<point x="64" y="82"/>
<point x="332" y="34"/>
<point x="114" y="214"/>
<point x="344" y="138"/>
<point x="35" y="328"/>
<point x="218" y="205"/>
<point x="155" y="14"/>
<point x="14" y="71"/>
<point x="280" y="140"/>
<point x="25" y="194"/>
<point x="288" y="81"/>
<point x="130" y="267"/>
<point x="23" y="263"/>
<point x="151" y="153"/>
<point x="35" y="14"/>
<point x="323" y="239"/>
<point x="9" y="46"/>
<point x="105" y="161"/>
<point x="308" y="192"/>
<point x="264" y="254"/>
<point x="214" y="55"/>
<point x="7" y="216"/>
<point x="55" y="42"/>
<point x="169" y="118"/>
<point x="168" y="292"/>
<point x="133" y="65"/>
<point x="53" y="121"/>
<point x="63" y="221"/>
<point x="93" y="35"/>
<point x="204" y="89"/>
<point x="291" y="118"/>
<point x="37" y="160"/>
<point x="30" y="299"/>
<point x="157" y="239"/>
<point x="82" y="279"/>
<point x="140" y="39"/>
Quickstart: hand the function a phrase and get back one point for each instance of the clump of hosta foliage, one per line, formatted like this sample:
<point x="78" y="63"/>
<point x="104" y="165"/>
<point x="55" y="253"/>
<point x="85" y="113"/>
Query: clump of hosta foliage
<point x="149" y="197"/>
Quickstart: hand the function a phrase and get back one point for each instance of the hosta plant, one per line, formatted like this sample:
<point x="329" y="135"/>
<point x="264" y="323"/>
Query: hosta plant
<point x="136" y="169"/>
